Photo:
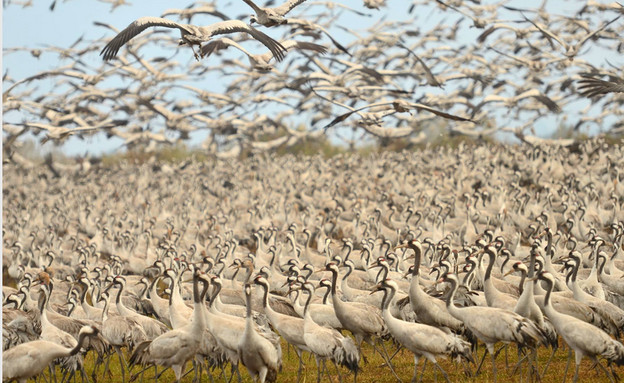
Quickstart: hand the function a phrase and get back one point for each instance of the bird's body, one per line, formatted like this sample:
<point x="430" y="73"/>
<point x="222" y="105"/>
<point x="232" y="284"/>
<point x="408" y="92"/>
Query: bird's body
<point x="176" y="347"/>
<point x="29" y="359"/>
<point x="270" y="17"/>
<point x="262" y="358"/>
<point x="584" y="338"/>
<point x="421" y="339"/>
<point x="190" y="34"/>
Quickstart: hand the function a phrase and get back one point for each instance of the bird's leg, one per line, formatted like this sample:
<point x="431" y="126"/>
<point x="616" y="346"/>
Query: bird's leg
<point x="605" y="370"/>
<point x="396" y="352"/>
<point x="338" y="371"/>
<point x="565" y="373"/>
<point x="122" y="364"/>
<point x="446" y="377"/>
<point x="422" y="373"/>
<point x="548" y="363"/>
<point x="386" y="358"/>
<point x="298" y="352"/>
<point x="318" y="369"/>
<point x="195" y="54"/>
<point x="493" y="365"/>
<point x="416" y="359"/>
<point x="481" y="363"/>
<point x="575" y="379"/>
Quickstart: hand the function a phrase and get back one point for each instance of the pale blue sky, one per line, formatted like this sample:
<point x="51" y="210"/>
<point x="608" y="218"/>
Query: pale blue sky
<point x="37" y="27"/>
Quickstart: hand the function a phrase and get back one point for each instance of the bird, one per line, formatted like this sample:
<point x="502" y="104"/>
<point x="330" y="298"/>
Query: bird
<point x="362" y="320"/>
<point x="327" y="343"/>
<point x="420" y="339"/>
<point x="258" y="62"/>
<point x="591" y="86"/>
<point x="492" y="325"/>
<point x="290" y="328"/>
<point x="582" y="337"/>
<point x="29" y="359"/>
<point x="152" y="327"/>
<point x="270" y="17"/>
<point x="429" y="310"/>
<point x="191" y="35"/>
<point x="177" y="347"/>
<point x="261" y="357"/>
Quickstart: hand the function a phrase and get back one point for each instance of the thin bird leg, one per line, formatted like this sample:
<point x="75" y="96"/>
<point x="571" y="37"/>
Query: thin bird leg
<point x="298" y="353"/>
<point x="481" y="363"/>
<point x="318" y="370"/>
<point x="446" y="377"/>
<point x="565" y="373"/>
<point x="386" y="358"/>
<point x="134" y="376"/>
<point x="422" y="373"/>
<point x="338" y="371"/>
<point x="122" y="364"/>
<point x="396" y="352"/>
<point x="548" y="363"/>
<point x="416" y="359"/>
<point x="575" y="379"/>
<point x="605" y="370"/>
<point x="494" y="365"/>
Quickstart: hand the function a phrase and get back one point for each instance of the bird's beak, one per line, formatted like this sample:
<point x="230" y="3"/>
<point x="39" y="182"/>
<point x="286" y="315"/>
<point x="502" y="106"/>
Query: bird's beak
<point x="509" y="272"/>
<point x="376" y="288"/>
<point x="401" y="246"/>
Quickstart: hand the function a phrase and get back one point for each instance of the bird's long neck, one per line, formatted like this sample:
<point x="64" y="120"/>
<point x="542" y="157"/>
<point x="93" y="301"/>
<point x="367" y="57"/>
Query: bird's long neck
<point x="387" y="298"/>
<point x="198" y="306"/>
<point x="417" y="260"/>
<point x="488" y="271"/>
<point x="334" y="282"/>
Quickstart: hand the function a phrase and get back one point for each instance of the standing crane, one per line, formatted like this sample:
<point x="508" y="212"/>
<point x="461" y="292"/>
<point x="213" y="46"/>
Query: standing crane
<point x="289" y="327"/>
<point x="420" y="339"/>
<point x="363" y="320"/>
<point x="428" y="309"/>
<point x="582" y="337"/>
<point x="491" y="324"/>
<point x="327" y="343"/>
<point x="29" y="359"/>
<point x="176" y="347"/>
<point x="262" y="358"/>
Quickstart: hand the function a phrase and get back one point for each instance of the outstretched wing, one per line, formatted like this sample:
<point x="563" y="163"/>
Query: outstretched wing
<point x="231" y="26"/>
<point x="287" y="7"/>
<point x="136" y="27"/>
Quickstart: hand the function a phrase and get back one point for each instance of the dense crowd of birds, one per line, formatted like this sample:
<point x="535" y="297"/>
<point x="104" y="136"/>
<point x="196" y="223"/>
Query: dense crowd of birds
<point x="486" y="68"/>
<point x="203" y="264"/>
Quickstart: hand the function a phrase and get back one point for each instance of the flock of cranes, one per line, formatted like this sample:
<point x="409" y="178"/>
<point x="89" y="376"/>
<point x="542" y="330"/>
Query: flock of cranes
<point x="201" y="267"/>
<point x="219" y="264"/>
<point x="483" y="70"/>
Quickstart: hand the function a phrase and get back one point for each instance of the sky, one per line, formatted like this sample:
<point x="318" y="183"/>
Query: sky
<point x="37" y="27"/>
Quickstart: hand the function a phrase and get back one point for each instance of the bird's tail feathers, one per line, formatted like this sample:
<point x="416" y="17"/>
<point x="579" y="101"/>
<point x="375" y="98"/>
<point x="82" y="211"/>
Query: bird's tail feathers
<point x="347" y="355"/>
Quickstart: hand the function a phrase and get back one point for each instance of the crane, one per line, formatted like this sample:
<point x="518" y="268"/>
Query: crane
<point x="582" y="337"/>
<point x="176" y="347"/>
<point x="29" y="359"/>
<point x="327" y="343"/>
<point x="491" y="324"/>
<point x="261" y="357"/>
<point x="420" y="339"/>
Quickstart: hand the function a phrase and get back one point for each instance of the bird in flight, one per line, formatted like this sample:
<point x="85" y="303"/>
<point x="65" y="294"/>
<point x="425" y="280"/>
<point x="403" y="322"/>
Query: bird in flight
<point x="191" y="35"/>
<point x="270" y="17"/>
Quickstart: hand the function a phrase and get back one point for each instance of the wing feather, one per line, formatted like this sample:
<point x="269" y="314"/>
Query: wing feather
<point x="132" y="30"/>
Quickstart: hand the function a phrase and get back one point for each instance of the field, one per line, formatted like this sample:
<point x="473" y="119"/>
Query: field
<point x="132" y="213"/>
<point x="375" y="370"/>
